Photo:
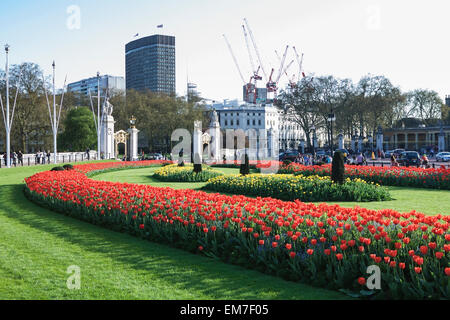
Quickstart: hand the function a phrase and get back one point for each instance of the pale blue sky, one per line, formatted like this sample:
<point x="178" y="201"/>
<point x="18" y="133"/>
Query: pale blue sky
<point x="407" y="41"/>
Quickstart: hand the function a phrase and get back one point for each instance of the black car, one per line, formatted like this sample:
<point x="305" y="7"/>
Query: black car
<point x="289" y="155"/>
<point x="409" y="158"/>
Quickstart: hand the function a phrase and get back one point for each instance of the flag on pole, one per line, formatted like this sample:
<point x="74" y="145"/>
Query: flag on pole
<point x="160" y="26"/>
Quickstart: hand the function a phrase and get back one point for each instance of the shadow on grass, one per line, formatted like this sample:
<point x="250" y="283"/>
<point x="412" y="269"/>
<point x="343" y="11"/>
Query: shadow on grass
<point x="185" y="270"/>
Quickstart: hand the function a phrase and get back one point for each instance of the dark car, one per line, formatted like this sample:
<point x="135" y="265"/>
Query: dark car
<point x="289" y="155"/>
<point x="409" y="158"/>
<point x="398" y="152"/>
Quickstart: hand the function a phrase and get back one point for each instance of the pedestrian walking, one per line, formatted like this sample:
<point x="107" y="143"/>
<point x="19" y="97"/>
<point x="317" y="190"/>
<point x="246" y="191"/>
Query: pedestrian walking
<point x="20" y="157"/>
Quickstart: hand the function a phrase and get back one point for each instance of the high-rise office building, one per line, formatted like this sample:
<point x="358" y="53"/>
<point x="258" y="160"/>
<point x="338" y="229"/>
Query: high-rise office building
<point x="150" y="64"/>
<point x="107" y="82"/>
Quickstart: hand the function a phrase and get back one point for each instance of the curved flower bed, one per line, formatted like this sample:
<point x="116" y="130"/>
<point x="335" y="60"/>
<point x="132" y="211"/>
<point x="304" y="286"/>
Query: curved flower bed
<point x="325" y="245"/>
<point x="388" y="176"/>
<point x="174" y="173"/>
<point x="304" y="188"/>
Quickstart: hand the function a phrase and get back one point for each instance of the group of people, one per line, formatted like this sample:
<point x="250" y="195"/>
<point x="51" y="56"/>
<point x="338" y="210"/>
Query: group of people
<point x="41" y="156"/>
<point x="15" y="158"/>
<point x="309" y="160"/>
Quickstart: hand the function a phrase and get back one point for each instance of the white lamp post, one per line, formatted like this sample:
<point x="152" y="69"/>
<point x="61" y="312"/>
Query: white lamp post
<point x="54" y="119"/>
<point x="7" y="125"/>
<point x="7" y="119"/>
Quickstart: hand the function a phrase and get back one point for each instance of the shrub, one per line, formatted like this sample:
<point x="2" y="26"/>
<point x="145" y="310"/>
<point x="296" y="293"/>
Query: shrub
<point x="387" y="176"/>
<point x="58" y="169"/>
<point x="338" y="168"/>
<point x="245" y="167"/>
<point x="289" y="187"/>
<point x="287" y="162"/>
<point x="174" y="173"/>
<point x="68" y="167"/>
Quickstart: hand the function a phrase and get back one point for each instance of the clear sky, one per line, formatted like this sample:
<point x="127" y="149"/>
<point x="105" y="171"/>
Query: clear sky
<point x="408" y="41"/>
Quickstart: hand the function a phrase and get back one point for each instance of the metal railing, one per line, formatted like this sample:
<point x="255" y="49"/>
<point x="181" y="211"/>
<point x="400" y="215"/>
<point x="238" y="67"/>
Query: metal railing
<point x="32" y="160"/>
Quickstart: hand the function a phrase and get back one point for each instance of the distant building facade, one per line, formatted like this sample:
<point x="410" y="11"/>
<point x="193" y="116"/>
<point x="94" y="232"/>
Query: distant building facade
<point x="150" y="64"/>
<point x="107" y="82"/>
<point x="234" y="114"/>
<point x="447" y="100"/>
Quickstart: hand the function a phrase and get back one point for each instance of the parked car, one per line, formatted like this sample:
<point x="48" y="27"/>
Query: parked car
<point x="398" y="152"/>
<point x="388" y="153"/>
<point x="409" y="158"/>
<point x="289" y="155"/>
<point x="443" y="156"/>
<point x="320" y="152"/>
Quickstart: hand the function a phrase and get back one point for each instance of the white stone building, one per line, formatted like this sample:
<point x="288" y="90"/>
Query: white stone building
<point x="234" y="114"/>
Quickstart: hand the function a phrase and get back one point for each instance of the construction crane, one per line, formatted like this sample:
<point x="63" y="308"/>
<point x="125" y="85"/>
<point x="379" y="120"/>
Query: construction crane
<point x="300" y="65"/>
<point x="255" y="47"/>
<point x="272" y="84"/>
<point x="291" y="80"/>
<point x="234" y="59"/>
<point x="251" y="86"/>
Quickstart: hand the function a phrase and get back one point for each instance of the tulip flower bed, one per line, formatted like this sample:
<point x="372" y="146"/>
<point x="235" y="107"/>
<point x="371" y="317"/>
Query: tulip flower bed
<point x="174" y="173"/>
<point x="388" y="176"/>
<point x="304" y="188"/>
<point x="253" y="164"/>
<point x="325" y="245"/>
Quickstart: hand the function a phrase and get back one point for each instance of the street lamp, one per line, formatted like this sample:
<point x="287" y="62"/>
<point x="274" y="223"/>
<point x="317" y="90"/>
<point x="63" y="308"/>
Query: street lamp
<point x="313" y="130"/>
<point x="133" y="122"/>
<point x="331" y="118"/>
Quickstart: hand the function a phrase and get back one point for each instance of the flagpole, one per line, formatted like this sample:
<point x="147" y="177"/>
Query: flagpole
<point x="98" y="117"/>
<point x="8" y="128"/>
<point x="54" y="116"/>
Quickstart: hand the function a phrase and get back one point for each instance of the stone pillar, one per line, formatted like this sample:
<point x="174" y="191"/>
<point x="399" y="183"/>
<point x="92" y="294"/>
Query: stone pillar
<point x="406" y="141"/>
<point x="380" y="139"/>
<point x="417" y="141"/>
<point x="107" y="137"/>
<point x="441" y="141"/>
<point x="341" y="141"/>
<point x="353" y="143"/>
<point x="302" y="145"/>
<point x="273" y="143"/>
<point x="198" y="145"/>
<point x="133" y="146"/>
<point x="360" y="144"/>
<point x="216" y="139"/>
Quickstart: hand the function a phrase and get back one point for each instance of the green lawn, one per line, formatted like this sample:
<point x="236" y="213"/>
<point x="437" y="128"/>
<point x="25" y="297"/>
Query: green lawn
<point x="427" y="201"/>
<point x="37" y="246"/>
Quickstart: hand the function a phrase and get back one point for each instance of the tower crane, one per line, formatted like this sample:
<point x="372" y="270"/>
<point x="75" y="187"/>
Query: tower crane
<point x="234" y="59"/>
<point x="291" y="80"/>
<point x="255" y="47"/>
<point x="272" y="85"/>
<point x="300" y="65"/>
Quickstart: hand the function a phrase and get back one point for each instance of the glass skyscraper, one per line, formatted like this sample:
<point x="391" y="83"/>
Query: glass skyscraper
<point x="150" y="64"/>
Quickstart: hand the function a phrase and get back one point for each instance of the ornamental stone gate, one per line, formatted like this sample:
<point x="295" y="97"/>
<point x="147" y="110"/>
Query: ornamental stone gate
<point x="121" y="137"/>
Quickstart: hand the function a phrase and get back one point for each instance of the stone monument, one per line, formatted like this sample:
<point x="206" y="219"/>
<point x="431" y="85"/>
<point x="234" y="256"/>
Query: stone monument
<point x="107" y="131"/>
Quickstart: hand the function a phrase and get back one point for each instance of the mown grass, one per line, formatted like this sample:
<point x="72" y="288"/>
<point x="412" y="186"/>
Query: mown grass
<point x="427" y="201"/>
<point x="37" y="246"/>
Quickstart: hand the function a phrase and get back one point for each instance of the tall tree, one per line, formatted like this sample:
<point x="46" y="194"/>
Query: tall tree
<point x="79" y="133"/>
<point x="425" y="105"/>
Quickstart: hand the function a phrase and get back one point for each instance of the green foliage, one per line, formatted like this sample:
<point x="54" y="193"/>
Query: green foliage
<point x="174" y="173"/>
<point x="338" y="168"/>
<point x="79" y="133"/>
<point x="68" y="167"/>
<point x="306" y="189"/>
